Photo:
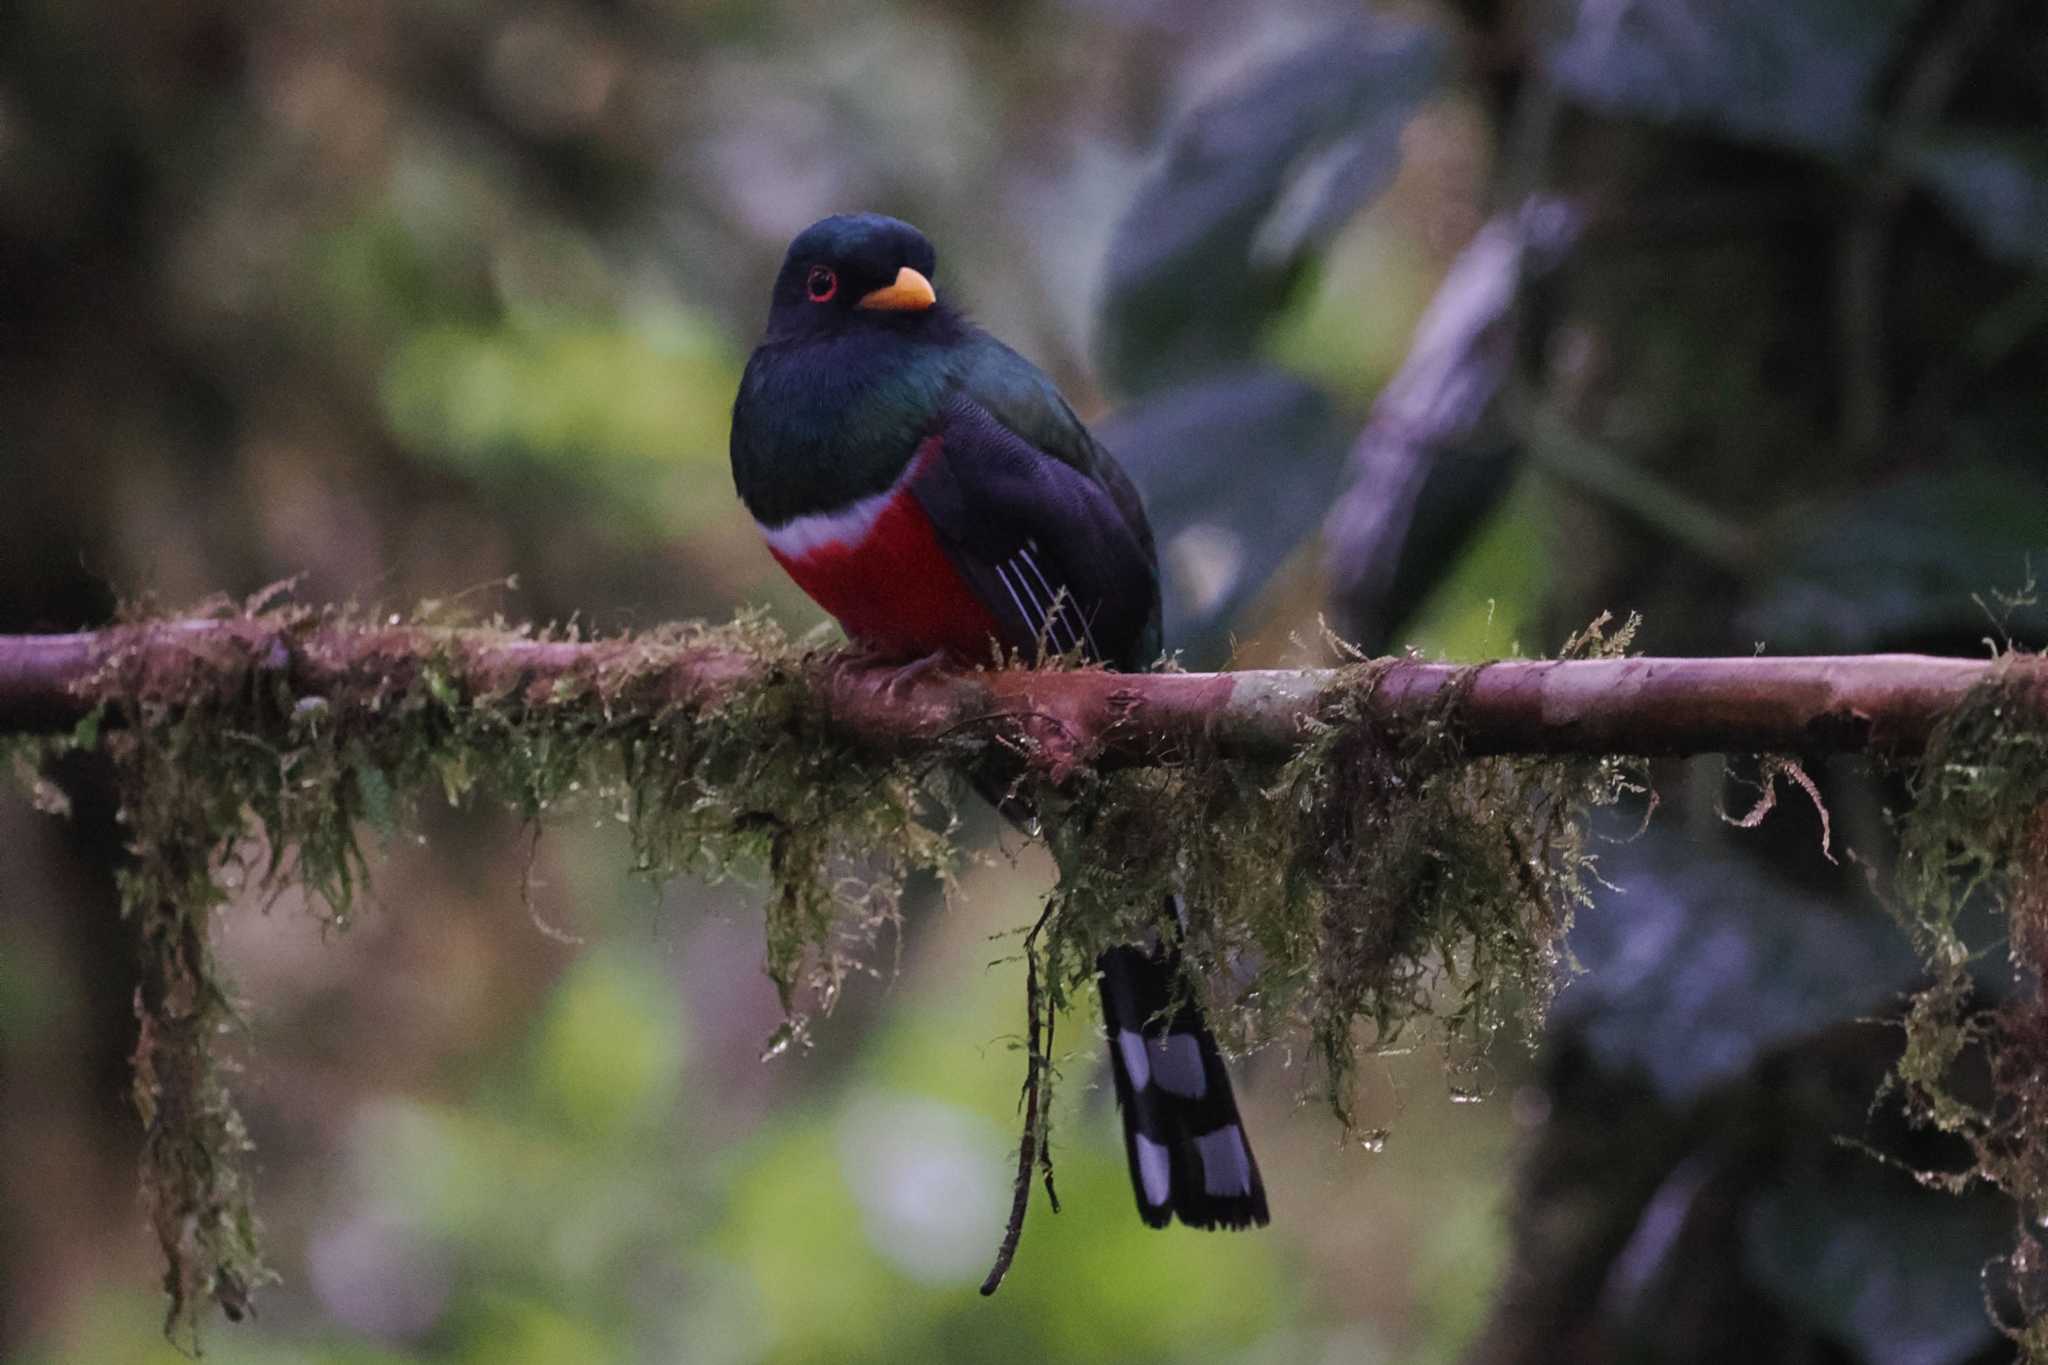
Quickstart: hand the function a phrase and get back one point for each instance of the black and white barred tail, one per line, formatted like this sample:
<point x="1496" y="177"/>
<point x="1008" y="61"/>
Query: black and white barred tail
<point x="1187" y="1147"/>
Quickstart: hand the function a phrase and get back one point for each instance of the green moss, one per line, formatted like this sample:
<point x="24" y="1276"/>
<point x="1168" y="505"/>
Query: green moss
<point x="1977" y="836"/>
<point x="1377" y="876"/>
<point x="251" y="786"/>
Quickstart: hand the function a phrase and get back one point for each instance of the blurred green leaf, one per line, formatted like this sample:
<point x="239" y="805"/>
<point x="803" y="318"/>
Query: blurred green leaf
<point x="610" y="1053"/>
<point x="1250" y="181"/>
<point x="1836" y="1253"/>
<point x="125" y="1327"/>
<point x="1907" y="564"/>
<point x="636" y="413"/>
<point x="1237" y="471"/>
<point x="521" y="1332"/>
<point x="1462" y="1256"/>
<point x="1791" y="73"/>
<point x="1996" y="185"/>
<point x="1486" y="600"/>
<point x="794" y="1228"/>
<point x="371" y="278"/>
<point x="1352" y="324"/>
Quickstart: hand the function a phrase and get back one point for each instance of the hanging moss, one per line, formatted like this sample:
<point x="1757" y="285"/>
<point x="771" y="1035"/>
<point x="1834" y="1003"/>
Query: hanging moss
<point x="252" y="786"/>
<point x="1977" y="838"/>
<point x="1376" y="876"/>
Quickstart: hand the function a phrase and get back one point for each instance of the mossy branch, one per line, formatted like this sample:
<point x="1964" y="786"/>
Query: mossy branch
<point x="1387" y="840"/>
<point x="1884" y="703"/>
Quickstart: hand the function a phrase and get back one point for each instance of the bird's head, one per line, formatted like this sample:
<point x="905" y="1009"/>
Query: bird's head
<point x="853" y="271"/>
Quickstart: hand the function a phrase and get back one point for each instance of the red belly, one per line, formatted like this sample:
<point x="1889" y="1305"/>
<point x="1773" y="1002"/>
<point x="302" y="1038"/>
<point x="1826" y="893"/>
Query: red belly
<point x="895" y="590"/>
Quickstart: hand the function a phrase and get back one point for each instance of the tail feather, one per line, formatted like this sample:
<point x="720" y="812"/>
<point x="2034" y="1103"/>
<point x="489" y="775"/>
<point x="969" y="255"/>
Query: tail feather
<point x="1189" y="1156"/>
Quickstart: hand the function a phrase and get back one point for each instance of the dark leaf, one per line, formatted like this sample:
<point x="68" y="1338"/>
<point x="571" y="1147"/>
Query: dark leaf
<point x="1792" y="73"/>
<point x="1438" y="452"/>
<point x="1706" y="962"/>
<point x="1877" y="1263"/>
<point x="1236" y="471"/>
<point x="1250" y="182"/>
<point x="1912" y="564"/>
<point x="1995" y="185"/>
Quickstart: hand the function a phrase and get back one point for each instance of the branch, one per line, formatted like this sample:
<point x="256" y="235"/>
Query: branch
<point x="1885" y="703"/>
<point x="728" y="748"/>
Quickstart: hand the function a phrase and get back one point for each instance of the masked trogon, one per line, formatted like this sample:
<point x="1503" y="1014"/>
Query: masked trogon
<point x="932" y="490"/>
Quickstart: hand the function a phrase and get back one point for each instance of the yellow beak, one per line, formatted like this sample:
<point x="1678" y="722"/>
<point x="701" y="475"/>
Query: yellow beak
<point x="911" y="293"/>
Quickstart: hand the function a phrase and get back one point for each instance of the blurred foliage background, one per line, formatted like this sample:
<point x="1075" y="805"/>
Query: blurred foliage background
<point x="1454" y="321"/>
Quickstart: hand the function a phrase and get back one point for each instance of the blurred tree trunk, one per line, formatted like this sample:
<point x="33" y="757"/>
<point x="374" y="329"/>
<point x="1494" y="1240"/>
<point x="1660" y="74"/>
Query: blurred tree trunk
<point x="1802" y="351"/>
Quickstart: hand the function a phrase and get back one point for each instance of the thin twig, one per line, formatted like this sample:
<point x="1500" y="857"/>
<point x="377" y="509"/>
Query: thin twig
<point x="1032" y="1149"/>
<point x="1052" y="1196"/>
<point x="1865" y="260"/>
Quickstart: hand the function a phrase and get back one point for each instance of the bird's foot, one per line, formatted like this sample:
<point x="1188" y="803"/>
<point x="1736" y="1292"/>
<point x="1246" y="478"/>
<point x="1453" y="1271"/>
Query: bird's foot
<point x="888" y="673"/>
<point x="898" y="680"/>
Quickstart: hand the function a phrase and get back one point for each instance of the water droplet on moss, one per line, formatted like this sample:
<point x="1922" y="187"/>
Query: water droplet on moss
<point x="778" y="1043"/>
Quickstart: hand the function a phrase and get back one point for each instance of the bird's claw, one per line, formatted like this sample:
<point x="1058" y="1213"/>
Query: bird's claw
<point x="888" y="674"/>
<point x="898" y="680"/>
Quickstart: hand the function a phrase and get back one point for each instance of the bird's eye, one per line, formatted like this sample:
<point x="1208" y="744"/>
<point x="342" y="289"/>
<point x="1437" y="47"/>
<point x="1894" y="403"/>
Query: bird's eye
<point x="822" y="284"/>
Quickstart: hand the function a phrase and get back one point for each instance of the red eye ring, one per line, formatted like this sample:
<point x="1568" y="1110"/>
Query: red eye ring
<point x="822" y="284"/>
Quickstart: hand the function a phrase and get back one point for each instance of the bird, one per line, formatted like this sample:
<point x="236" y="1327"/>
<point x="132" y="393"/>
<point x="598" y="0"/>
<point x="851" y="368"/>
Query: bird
<point x="932" y="490"/>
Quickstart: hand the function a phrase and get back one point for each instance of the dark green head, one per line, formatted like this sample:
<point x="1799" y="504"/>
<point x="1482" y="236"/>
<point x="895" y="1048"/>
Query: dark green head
<point x="850" y="273"/>
<point x="858" y="360"/>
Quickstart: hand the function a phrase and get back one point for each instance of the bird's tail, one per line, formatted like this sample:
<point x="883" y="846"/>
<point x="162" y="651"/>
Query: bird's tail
<point x="1188" y="1151"/>
<point x="1189" y="1155"/>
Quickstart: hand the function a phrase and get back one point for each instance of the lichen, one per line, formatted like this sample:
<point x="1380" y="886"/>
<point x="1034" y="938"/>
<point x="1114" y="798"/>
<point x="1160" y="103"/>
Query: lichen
<point x="1976" y="839"/>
